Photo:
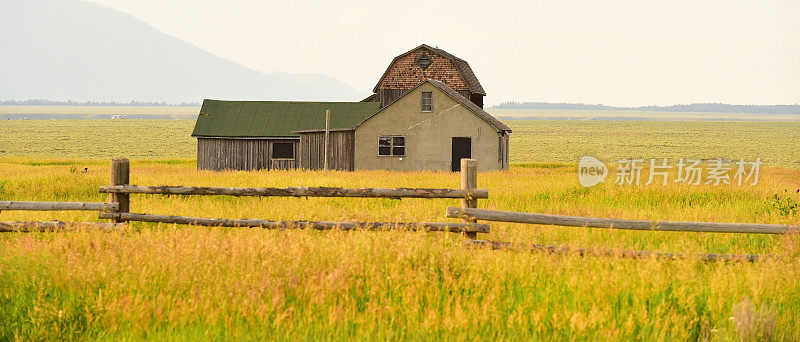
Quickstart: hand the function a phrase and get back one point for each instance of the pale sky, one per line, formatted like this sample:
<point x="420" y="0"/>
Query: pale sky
<point x="610" y="52"/>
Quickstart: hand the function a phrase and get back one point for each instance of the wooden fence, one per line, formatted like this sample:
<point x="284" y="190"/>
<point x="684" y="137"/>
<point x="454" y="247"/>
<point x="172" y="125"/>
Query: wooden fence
<point x="12" y="226"/>
<point x="42" y="226"/>
<point x="51" y="206"/>
<point x="120" y="191"/>
<point x="117" y="210"/>
<point x="609" y="223"/>
<point x="474" y="214"/>
<point x="397" y="193"/>
<point x="317" y="225"/>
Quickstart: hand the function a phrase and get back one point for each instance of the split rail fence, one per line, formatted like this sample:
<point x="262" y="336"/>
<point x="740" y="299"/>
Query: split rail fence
<point x="118" y="208"/>
<point x="52" y="206"/>
<point x="609" y="223"/>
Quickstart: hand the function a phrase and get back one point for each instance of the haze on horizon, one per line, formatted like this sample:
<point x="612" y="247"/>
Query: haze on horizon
<point x="624" y="53"/>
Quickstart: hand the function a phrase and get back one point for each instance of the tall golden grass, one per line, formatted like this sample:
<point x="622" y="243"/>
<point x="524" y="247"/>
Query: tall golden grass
<point x="178" y="282"/>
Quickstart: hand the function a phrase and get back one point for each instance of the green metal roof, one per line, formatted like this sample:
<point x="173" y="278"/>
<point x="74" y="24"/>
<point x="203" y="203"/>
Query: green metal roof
<point x="276" y="118"/>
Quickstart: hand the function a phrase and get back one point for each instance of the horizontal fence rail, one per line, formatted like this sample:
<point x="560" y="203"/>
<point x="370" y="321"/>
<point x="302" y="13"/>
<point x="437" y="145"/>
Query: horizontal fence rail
<point x="318" y="225"/>
<point x="583" y="251"/>
<point x="298" y="191"/>
<point x="22" y="226"/>
<point x="36" y="206"/>
<point x="593" y="222"/>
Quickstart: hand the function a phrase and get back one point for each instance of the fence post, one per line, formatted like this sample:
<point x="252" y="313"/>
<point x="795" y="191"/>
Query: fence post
<point x="327" y="137"/>
<point x="120" y="175"/>
<point x="469" y="181"/>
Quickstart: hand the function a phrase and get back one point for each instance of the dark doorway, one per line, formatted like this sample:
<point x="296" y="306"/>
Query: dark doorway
<point x="462" y="148"/>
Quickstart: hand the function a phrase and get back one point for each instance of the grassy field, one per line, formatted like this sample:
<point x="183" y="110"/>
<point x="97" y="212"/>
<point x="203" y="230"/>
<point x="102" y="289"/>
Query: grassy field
<point x="83" y="112"/>
<point x="160" y="281"/>
<point x="187" y="283"/>
<point x="776" y="143"/>
<point x="616" y="115"/>
<point x="99" y="139"/>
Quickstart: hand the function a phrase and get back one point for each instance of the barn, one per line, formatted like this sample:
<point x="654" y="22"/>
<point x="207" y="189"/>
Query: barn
<point x="256" y="135"/>
<point x="426" y="113"/>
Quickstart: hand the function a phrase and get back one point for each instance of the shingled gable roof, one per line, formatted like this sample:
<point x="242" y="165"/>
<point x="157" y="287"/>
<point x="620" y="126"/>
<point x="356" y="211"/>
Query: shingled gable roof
<point x="491" y="120"/>
<point x="461" y="65"/>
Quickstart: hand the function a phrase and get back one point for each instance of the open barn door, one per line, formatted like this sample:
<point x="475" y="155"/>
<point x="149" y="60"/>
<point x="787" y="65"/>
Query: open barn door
<point x="462" y="148"/>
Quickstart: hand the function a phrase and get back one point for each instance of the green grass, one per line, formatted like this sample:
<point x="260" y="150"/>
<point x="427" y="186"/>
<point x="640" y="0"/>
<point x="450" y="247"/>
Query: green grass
<point x="167" y="282"/>
<point x="98" y="139"/>
<point x="776" y="143"/>
<point x="585" y="114"/>
<point x="89" y="111"/>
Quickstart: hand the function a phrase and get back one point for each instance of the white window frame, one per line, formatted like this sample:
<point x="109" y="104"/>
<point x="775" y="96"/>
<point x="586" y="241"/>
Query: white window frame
<point x="392" y="145"/>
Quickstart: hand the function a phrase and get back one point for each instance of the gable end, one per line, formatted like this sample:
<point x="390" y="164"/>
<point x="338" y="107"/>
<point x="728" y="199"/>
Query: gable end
<point x="452" y="93"/>
<point x="405" y="71"/>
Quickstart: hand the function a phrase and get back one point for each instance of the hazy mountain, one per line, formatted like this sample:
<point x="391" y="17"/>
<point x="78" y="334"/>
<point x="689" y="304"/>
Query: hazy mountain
<point x="694" y="107"/>
<point x="82" y="51"/>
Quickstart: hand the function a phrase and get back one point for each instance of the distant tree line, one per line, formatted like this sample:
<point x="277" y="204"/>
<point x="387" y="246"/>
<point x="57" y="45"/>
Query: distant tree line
<point x="39" y="102"/>
<point x="694" y="107"/>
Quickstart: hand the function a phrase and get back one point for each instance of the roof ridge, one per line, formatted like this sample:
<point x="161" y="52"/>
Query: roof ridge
<point x="282" y="101"/>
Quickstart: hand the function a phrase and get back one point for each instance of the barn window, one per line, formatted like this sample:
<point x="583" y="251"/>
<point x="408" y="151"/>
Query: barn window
<point x="424" y="61"/>
<point x="394" y="146"/>
<point x="283" y="150"/>
<point x="426" y="101"/>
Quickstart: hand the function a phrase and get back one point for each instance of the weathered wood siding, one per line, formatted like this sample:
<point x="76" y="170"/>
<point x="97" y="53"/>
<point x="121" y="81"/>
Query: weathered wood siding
<point x="241" y="154"/>
<point x="476" y="99"/>
<point x="341" y="150"/>
<point x="387" y="96"/>
<point x="282" y="164"/>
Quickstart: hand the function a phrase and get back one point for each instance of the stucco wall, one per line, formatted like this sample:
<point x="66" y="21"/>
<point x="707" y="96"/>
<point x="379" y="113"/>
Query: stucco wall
<point x="428" y="145"/>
